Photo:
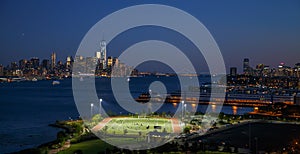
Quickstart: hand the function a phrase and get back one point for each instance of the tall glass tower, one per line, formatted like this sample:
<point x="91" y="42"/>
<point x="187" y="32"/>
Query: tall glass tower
<point x="103" y="53"/>
<point x="53" y="60"/>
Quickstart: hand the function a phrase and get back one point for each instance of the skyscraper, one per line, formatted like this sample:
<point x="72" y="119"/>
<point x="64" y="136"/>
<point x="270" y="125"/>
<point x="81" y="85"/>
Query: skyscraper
<point x="109" y="62"/>
<point x="246" y="66"/>
<point x="98" y="55"/>
<point x="45" y="64"/>
<point x="233" y="71"/>
<point x="103" y="53"/>
<point x="53" y="60"/>
<point x="22" y="64"/>
<point x="297" y="71"/>
<point x="116" y="62"/>
<point x="35" y="62"/>
<point x="69" y="62"/>
<point x="13" y="66"/>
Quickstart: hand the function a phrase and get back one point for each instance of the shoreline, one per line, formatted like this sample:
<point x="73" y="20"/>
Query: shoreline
<point x="68" y="130"/>
<point x="45" y="146"/>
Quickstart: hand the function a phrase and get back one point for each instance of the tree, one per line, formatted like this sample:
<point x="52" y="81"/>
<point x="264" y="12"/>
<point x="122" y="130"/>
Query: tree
<point x="105" y="128"/>
<point x="78" y="128"/>
<point x="61" y="136"/>
<point x="97" y="118"/>
<point x="187" y="129"/>
<point x="221" y="115"/>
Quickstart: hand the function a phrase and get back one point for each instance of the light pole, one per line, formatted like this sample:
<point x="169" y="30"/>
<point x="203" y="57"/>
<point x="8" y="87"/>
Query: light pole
<point x="182" y="105"/>
<point x="184" y="113"/>
<point x="92" y="105"/>
<point x="149" y="103"/>
<point x="184" y="110"/>
<point x="100" y="106"/>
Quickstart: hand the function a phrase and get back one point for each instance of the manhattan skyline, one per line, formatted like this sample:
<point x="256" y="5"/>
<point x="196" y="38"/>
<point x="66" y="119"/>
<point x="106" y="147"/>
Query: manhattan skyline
<point x="265" y="32"/>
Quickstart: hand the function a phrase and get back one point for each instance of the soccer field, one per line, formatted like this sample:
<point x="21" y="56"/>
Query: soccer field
<point x="137" y="126"/>
<point x="137" y="132"/>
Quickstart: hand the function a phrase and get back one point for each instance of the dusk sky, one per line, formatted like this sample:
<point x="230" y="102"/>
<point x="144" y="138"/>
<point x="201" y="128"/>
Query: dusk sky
<point x="264" y="31"/>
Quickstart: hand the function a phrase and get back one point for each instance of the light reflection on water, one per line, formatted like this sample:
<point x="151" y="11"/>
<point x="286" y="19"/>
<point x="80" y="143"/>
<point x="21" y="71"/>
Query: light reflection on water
<point x="235" y="110"/>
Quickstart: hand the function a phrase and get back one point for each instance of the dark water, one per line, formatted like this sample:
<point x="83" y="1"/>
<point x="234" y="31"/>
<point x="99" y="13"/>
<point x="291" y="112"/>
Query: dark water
<point x="26" y="108"/>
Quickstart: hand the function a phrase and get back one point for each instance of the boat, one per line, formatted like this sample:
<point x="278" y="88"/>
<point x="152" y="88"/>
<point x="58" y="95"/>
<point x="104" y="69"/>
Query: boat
<point x="81" y="79"/>
<point x="143" y="98"/>
<point x="55" y="82"/>
<point x="17" y="79"/>
<point x="34" y="80"/>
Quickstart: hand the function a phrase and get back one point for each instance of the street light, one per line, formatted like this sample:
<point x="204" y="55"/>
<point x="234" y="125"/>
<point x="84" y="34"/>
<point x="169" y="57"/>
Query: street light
<point x="100" y="106"/>
<point x="182" y="105"/>
<point x="92" y="105"/>
<point x="184" y="110"/>
<point x="149" y="103"/>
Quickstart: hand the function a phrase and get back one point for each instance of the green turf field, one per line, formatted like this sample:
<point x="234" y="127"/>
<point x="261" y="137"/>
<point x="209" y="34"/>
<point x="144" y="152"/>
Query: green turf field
<point x="137" y="126"/>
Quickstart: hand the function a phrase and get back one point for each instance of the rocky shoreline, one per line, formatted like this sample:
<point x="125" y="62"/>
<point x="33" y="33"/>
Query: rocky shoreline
<point x="66" y="131"/>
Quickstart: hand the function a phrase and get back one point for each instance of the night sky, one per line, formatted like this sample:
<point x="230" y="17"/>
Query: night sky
<point x="264" y="31"/>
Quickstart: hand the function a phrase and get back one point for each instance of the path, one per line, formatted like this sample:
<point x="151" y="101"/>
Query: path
<point x="101" y="124"/>
<point x="64" y="147"/>
<point x="176" y="125"/>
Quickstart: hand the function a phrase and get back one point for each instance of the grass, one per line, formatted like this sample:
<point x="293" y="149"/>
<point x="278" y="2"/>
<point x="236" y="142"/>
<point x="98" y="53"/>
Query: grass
<point x="92" y="146"/>
<point x="99" y="146"/>
<point x="135" y="125"/>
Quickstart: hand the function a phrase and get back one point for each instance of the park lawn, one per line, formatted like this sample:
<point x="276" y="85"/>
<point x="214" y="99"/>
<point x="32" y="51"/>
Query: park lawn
<point x="123" y="142"/>
<point x="92" y="146"/>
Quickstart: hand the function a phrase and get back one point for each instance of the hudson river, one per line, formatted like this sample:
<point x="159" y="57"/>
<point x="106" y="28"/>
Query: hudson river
<point x="26" y="108"/>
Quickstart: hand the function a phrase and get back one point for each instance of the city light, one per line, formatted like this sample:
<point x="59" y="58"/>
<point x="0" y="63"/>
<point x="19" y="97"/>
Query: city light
<point x="92" y="105"/>
<point x="100" y="106"/>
